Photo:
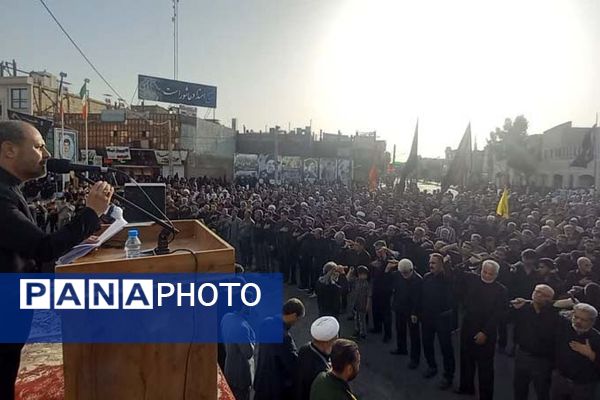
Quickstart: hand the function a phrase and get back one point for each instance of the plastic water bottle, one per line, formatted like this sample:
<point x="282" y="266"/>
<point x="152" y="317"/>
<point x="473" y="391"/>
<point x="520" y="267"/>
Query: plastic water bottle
<point x="133" y="244"/>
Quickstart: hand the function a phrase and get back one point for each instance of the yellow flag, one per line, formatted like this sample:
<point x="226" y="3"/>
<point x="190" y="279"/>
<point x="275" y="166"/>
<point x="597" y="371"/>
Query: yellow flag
<point x="502" y="209"/>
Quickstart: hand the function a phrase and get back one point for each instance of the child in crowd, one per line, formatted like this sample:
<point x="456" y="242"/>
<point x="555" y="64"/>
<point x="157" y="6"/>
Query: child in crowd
<point x="360" y="297"/>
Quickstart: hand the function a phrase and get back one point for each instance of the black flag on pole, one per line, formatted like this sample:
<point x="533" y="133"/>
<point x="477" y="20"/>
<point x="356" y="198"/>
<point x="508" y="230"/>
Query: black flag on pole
<point x="460" y="166"/>
<point x="411" y="163"/>
<point x="586" y="154"/>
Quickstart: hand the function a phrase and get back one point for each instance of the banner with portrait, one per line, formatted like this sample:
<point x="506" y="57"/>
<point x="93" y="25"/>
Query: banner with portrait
<point x="328" y="169"/>
<point x="291" y="169"/>
<point x="344" y="171"/>
<point x="311" y="170"/>
<point x="267" y="168"/>
<point x="65" y="144"/>
<point x="91" y="153"/>
<point x="245" y="165"/>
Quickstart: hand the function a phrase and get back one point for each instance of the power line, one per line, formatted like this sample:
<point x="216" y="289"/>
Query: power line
<point x="80" y="51"/>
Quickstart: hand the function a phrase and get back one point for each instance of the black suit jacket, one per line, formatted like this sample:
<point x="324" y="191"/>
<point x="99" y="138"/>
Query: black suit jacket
<point x="24" y="247"/>
<point x="311" y="362"/>
<point x="407" y="293"/>
<point x="276" y="367"/>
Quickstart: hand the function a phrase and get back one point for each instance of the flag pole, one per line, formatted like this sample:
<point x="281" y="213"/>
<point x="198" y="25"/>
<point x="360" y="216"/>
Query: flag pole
<point x="87" y="111"/>
<point x="62" y="114"/>
<point x="60" y="142"/>
<point x="60" y="154"/>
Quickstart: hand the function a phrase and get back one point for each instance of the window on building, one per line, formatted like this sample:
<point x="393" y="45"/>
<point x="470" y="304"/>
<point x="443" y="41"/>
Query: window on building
<point x="19" y="99"/>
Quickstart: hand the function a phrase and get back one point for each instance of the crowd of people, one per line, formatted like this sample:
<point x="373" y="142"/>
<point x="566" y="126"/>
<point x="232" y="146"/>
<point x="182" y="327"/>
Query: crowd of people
<point x="421" y="266"/>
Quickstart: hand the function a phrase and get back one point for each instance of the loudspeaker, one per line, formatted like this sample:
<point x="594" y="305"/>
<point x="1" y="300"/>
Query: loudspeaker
<point x="157" y="192"/>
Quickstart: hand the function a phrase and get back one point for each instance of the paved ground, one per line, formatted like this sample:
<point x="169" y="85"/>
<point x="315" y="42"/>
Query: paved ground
<point x="384" y="376"/>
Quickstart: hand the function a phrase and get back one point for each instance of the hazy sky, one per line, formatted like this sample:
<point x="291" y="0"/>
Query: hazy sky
<point x="344" y="64"/>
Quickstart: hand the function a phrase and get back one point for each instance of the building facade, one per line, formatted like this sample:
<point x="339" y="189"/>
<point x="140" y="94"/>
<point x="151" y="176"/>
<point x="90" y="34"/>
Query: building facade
<point x="559" y="147"/>
<point x="552" y="151"/>
<point x="37" y="94"/>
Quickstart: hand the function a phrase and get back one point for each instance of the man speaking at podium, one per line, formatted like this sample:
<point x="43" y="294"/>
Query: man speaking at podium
<point x="24" y="246"/>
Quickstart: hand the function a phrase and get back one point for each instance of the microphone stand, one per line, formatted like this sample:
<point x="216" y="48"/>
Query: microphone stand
<point x="167" y="231"/>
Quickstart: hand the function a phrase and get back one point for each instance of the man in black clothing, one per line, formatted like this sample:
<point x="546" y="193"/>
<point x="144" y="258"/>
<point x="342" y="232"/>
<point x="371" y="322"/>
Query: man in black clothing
<point x="284" y="239"/>
<point x="359" y="256"/>
<point x="382" y="291"/>
<point x="524" y="276"/>
<point x="583" y="275"/>
<point x="536" y="321"/>
<point x="329" y="289"/>
<point x="24" y="247"/>
<point x="305" y="244"/>
<point x="485" y="303"/>
<point x="407" y="287"/>
<point x="577" y="361"/>
<point x="340" y="251"/>
<point x="514" y="248"/>
<point x="505" y="278"/>
<point x="313" y="357"/>
<point x="340" y="248"/>
<point x="277" y="363"/>
<point x="415" y="251"/>
<point x="319" y="253"/>
<point x="438" y="318"/>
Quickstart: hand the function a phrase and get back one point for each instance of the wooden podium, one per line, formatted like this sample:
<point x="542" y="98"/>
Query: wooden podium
<point x="148" y="371"/>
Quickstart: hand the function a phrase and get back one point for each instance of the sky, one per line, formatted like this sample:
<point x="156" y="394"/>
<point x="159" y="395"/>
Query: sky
<point x="349" y="65"/>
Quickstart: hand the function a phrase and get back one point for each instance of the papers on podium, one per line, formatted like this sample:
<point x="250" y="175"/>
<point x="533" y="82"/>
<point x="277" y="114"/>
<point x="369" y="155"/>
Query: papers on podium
<point x="84" y="248"/>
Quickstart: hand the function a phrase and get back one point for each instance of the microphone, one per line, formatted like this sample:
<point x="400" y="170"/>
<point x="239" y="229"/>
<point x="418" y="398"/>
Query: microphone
<point x="60" y="166"/>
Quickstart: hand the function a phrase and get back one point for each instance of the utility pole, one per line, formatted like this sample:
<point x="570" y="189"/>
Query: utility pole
<point x="170" y="151"/>
<point x="175" y="20"/>
<point x="175" y="74"/>
<point x="87" y="107"/>
<point x="63" y="75"/>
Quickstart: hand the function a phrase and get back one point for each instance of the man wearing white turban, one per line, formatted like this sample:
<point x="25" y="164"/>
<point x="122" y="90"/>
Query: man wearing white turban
<point x="313" y="357"/>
